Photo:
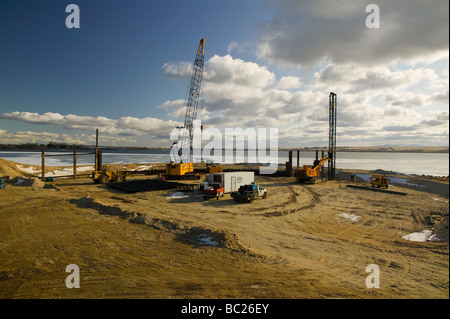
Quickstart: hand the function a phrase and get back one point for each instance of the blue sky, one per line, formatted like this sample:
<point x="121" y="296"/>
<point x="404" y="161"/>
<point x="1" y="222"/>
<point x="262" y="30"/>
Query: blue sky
<point x="113" y="63"/>
<point x="268" y="64"/>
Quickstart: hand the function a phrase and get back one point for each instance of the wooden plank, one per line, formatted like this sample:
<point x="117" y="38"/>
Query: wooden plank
<point x="68" y="154"/>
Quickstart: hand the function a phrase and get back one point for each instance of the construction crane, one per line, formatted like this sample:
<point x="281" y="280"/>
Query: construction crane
<point x="181" y="166"/>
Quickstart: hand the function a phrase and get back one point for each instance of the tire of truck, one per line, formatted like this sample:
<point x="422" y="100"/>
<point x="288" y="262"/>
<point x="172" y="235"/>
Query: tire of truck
<point x="103" y="179"/>
<point x="119" y="179"/>
<point x="265" y="195"/>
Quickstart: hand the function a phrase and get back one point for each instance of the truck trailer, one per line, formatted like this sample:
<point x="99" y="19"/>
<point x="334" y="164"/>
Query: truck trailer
<point x="230" y="181"/>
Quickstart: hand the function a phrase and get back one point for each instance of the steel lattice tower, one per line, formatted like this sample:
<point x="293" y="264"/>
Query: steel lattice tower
<point x="332" y="99"/>
<point x="184" y="146"/>
<point x="194" y="90"/>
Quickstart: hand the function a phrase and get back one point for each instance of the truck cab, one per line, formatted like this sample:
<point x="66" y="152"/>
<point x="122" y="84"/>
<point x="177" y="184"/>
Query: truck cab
<point x="247" y="193"/>
<point x="213" y="190"/>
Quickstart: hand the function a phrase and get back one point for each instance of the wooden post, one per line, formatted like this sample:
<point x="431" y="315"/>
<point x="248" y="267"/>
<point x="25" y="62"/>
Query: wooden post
<point x="321" y="169"/>
<point x="74" y="163"/>
<point x="298" y="159"/>
<point x="96" y="150"/>
<point x="99" y="157"/>
<point x="290" y="164"/>
<point x="43" y="165"/>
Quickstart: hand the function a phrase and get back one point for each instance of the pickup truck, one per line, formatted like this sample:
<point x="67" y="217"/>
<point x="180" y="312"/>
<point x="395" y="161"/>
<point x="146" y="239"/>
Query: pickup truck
<point x="212" y="190"/>
<point x="247" y="193"/>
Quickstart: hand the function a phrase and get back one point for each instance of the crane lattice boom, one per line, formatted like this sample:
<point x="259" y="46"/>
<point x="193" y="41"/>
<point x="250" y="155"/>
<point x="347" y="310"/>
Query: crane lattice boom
<point x="194" y="90"/>
<point x="185" y="145"/>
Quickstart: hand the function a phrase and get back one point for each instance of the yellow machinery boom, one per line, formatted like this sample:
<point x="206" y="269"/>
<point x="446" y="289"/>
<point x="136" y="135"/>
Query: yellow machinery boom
<point x="180" y="166"/>
<point x="308" y="173"/>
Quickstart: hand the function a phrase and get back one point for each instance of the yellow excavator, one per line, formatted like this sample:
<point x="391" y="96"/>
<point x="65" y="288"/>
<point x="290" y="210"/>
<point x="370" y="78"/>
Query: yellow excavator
<point x="309" y="173"/>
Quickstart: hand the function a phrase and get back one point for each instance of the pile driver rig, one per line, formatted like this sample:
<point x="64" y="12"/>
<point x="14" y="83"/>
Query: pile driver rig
<point x="309" y="174"/>
<point x="181" y="166"/>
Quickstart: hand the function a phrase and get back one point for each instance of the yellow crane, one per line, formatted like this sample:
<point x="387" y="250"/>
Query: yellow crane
<point x="181" y="166"/>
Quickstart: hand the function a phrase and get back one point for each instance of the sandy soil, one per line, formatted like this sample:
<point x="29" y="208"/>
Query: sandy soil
<point x="300" y="242"/>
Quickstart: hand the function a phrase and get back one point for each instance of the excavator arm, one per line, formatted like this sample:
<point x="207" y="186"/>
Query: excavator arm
<point x="322" y="161"/>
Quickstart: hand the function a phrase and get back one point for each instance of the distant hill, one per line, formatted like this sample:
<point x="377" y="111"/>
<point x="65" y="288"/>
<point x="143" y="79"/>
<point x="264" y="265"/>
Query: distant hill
<point x="63" y="146"/>
<point x="431" y="149"/>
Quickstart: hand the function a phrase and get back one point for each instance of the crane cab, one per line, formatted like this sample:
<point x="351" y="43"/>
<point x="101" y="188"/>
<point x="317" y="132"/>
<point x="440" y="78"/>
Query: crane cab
<point x="181" y="171"/>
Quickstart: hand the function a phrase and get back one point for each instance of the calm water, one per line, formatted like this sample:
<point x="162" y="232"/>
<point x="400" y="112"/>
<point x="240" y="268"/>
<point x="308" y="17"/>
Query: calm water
<point x="408" y="163"/>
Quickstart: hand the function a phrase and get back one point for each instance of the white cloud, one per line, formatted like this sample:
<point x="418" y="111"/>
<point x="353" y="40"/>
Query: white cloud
<point x="407" y="99"/>
<point x="221" y="69"/>
<point x="289" y="82"/>
<point x="441" y="97"/>
<point x="232" y="45"/>
<point x="21" y="137"/>
<point x="26" y="137"/>
<point x="171" y="104"/>
<point x="238" y="93"/>
<point x="376" y="104"/>
<point x="124" y="126"/>
<point x="178" y="68"/>
<point x="353" y="78"/>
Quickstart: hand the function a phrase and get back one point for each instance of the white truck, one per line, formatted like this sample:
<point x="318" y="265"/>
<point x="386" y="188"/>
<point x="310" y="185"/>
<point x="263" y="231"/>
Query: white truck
<point x="230" y="181"/>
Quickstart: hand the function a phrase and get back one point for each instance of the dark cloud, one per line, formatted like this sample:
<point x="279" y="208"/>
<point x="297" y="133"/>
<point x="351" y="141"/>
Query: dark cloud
<point x="441" y="97"/>
<point x="437" y="119"/>
<point x="306" y="32"/>
<point x="400" y="128"/>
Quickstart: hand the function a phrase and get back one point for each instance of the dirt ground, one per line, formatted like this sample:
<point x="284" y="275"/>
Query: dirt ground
<point x="300" y="242"/>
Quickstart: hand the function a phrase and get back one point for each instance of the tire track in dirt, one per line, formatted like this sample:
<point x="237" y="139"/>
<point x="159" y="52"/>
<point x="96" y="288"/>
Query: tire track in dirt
<point x="349" y="250"/>
<point x="365" y="246"/>
<point x="293" y="200"/>
<point x="376" y="240"/>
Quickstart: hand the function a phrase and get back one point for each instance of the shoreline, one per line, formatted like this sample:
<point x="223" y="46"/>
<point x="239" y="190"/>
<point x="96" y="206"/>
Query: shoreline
<point x="414" y="164"/>
<point x="428" y="183"/>
<point x="35" y="169"/>
<point x="387" y="149"/>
